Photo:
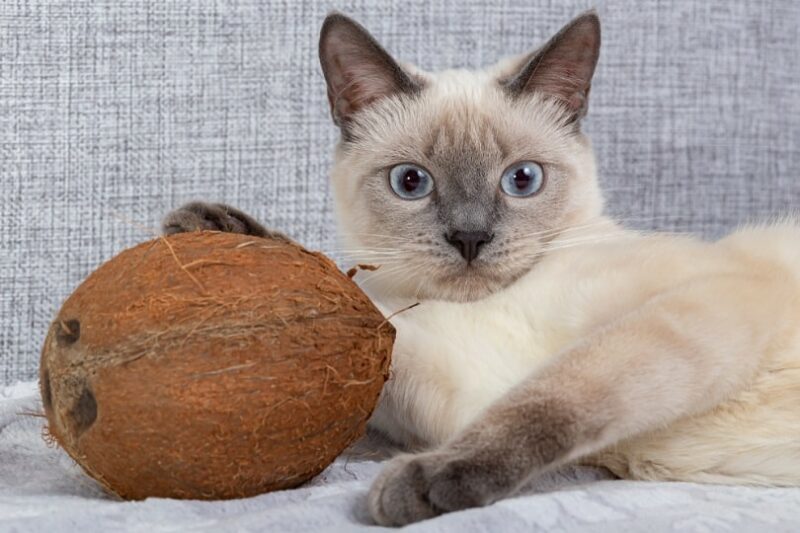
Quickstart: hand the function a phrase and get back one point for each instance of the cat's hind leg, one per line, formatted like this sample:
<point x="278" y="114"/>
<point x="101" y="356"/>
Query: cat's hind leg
<point x="753" y="438"/>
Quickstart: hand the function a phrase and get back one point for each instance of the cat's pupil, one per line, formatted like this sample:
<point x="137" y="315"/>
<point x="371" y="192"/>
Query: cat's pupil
<point x="522" y="178"/>
<point x="411" y="180"/>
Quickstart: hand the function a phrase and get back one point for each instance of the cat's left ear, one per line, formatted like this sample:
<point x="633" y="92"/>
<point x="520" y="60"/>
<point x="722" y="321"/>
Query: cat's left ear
<point x="563" y="67"/>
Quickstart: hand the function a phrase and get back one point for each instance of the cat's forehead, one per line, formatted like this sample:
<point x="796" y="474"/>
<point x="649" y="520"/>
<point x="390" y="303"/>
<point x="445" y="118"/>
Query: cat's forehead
<point x="462" y="144"/>
<point x="468" y="115"/>
<point x="460" y="116"/>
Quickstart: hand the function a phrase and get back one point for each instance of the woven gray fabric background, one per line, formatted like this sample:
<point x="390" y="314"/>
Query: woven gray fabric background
<point x="112" y="112"/>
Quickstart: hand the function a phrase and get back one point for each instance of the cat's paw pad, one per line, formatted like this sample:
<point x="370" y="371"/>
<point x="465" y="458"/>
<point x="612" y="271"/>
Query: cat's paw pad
<point x="197" y="216"/>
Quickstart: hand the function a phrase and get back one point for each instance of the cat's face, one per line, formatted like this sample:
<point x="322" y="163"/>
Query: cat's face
<point x="456" y="182"/>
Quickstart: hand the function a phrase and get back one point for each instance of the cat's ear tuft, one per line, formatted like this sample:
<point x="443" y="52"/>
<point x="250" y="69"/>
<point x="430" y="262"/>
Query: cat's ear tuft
<point x="563" y="67"/>
<point x="357" y="69"/>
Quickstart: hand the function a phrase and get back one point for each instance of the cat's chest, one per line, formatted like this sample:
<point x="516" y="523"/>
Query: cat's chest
<point x="452" y="360"/>
<point x="499" y="339"/>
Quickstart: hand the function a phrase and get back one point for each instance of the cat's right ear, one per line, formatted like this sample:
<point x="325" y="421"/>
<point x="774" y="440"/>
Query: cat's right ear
<point x="357" y="69"/>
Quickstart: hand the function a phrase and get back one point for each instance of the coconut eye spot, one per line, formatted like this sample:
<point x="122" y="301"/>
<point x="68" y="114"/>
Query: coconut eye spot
<point x="522" y="179"/>
<point x="410" y="182"/>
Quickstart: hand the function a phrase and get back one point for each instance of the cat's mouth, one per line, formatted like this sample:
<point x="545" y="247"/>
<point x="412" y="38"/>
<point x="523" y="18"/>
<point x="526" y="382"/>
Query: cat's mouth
<point x="451" y="278"/>
<point x="475" y="280"/>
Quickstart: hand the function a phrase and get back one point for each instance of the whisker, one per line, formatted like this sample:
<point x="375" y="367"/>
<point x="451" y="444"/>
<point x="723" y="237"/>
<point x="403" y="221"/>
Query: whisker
<point x="372" y="252"/>
<point x="381" y="235"/>
<point x="577" y="242"/>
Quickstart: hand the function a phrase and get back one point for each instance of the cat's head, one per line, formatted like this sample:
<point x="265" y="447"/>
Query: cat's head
<point x="456" y="181"/>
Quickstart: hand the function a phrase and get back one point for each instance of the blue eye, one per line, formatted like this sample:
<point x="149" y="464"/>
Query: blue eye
<point x="522" y="179"/>
<point x="410" y="182"/>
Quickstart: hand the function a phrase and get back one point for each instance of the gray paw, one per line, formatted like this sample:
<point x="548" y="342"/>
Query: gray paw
<point x="197" y="216"/>
<point x="417" y="487"/>
<point x="399" y="495"/>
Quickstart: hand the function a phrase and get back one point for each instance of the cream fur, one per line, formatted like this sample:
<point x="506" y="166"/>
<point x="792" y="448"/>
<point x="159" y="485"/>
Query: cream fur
<point x="452" y="359"/>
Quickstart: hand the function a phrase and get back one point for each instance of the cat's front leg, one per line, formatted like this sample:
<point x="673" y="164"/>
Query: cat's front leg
<point x="488" y="461"/>
<point x="682" y="353"/>
<point x="532" y="429"/>
<point x="196" y="216"/>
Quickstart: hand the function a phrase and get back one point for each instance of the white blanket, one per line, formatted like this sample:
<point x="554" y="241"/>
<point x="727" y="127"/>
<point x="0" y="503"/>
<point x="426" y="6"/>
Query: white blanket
<point x="41" y="489"/>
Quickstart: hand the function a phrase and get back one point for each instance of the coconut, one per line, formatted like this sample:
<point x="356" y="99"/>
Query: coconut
<point x="212" y="365"/>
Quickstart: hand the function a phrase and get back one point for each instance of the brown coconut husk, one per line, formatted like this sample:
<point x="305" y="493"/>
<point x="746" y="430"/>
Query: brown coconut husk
<point x="212" y="365"/>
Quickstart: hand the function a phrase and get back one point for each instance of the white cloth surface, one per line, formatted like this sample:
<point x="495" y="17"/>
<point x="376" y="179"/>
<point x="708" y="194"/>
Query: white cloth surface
<point x="41" y="489"/>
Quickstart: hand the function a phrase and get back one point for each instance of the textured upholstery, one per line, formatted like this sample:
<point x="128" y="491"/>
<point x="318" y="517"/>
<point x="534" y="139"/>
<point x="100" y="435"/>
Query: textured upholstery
<point x="112" y="112"/>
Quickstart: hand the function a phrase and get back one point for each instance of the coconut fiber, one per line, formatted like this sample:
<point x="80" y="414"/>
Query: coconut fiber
<point x="212" y="365"/>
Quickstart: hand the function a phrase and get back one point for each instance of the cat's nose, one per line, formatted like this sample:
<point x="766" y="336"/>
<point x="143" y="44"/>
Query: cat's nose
<point x="469" y="242"/>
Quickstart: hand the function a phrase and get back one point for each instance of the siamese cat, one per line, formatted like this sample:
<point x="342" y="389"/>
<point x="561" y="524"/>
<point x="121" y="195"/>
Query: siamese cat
<point x="546" y="332"/>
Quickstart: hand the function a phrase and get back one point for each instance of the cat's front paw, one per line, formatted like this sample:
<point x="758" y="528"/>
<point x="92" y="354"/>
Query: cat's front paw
<point x="399" y="495"/>
<point x="417" y="487"/>
<point x="197" y="216"/>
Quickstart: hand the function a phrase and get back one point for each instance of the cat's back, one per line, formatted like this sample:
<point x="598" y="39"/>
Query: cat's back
<point x="773" y="246"/>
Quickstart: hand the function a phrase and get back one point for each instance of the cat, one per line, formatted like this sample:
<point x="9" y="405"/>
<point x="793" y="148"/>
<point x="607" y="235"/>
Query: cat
<point x="546" y="332"/>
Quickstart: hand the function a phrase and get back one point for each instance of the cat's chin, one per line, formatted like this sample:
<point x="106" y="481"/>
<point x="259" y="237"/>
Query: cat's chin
<point x="463" y="294"/>
<point x="469" y="284"/>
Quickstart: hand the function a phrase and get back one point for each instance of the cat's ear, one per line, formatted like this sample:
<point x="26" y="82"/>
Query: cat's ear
<point x="357" y="69"/>
<point x="563" y="67"/>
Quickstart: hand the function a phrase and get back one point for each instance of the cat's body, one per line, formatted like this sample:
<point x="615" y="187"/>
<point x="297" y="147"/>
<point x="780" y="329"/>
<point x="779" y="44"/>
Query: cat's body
<point x="452" y="360"/>
<point x="546" y="333"/>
